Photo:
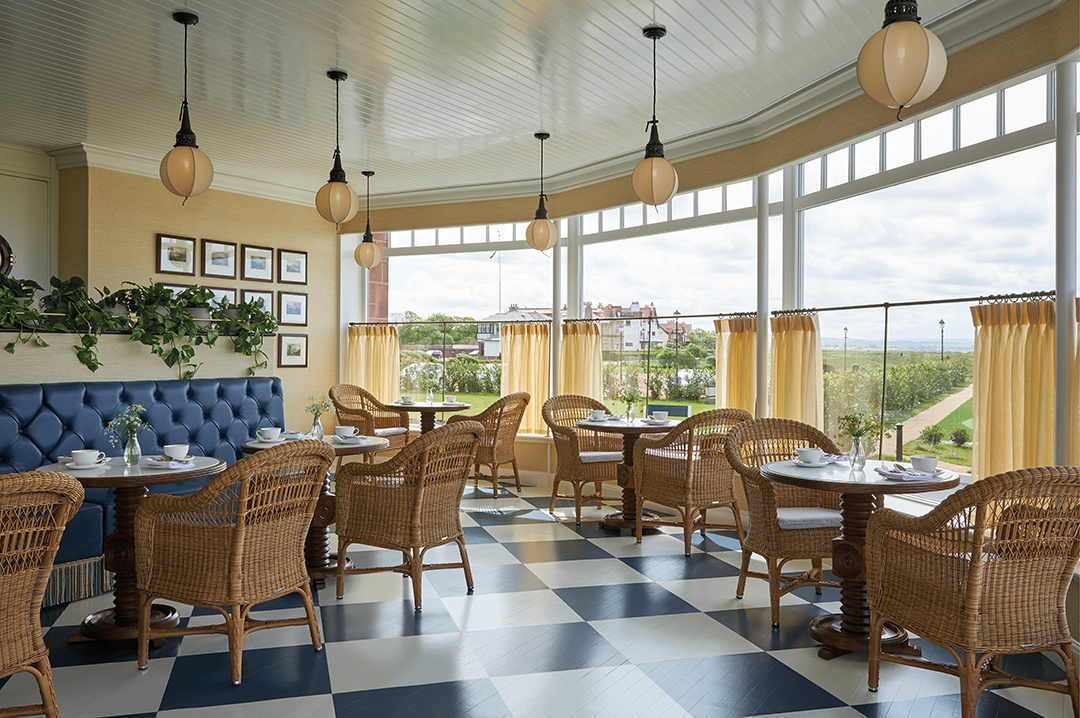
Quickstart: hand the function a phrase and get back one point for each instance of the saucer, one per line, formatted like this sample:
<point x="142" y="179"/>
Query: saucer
<point x="347" y="439"/>
<point x="79" y="467"/>
<point x="656" y="422"/>
<point x="807" y="465"/>
<point x="270" y="442"/>
<point x="163" y="457"/>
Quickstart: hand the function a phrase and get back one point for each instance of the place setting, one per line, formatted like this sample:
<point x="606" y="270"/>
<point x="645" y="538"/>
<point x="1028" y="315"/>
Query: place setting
<point x="271" y="436"/>
<point x="176" y="456"/>
<point x="348" y="435"/>
<point x="84" y="460"/>
<point x="811" y="457"/>
<point x="657" y="418"/>
<point x="921" y="469"/>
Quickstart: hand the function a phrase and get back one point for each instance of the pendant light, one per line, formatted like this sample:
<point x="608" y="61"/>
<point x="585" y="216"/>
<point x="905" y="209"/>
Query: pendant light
<point x="655" y="180"/>
<point x="903" y="63"/>
<point x="542" y="233"/>
<point x="336" y="200"/>
<point x="367" y="253"/>
<point x="186" y="170"/>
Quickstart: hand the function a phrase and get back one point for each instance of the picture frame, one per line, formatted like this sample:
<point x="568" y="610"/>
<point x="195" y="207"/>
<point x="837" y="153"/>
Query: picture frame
<point x="292" y="308"/>
<point x="292" y="267"/>
<point x="253" y="295"/>
<point x="175" y="255"/>
<point x="292" y="350"/>
<point x="257" y="264"/>
<point x="176" y="288"/>
<point x="221" y="293"/>
<point x="218" y="259"/>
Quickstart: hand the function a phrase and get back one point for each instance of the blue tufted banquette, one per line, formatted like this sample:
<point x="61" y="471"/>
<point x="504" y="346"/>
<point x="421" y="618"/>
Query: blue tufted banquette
<point x="40" y="422"/>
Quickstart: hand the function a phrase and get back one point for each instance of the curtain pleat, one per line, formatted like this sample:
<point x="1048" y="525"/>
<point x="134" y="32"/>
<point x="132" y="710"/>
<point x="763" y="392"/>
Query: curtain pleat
<point x="797" y="390"/>
<point x="372" y="360"/>
<point x="581" y="360"/>
<point x="1013" y="401"/>
<point x="526" y="366"/>
<point x="736" y="363"/>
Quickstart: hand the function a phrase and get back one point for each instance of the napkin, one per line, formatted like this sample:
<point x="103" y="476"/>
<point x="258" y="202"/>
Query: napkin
<point x="159" y="464"/>
<point x="903" y="474"/>
<point x="294" y="435"/>
<point x="835" y="458"/>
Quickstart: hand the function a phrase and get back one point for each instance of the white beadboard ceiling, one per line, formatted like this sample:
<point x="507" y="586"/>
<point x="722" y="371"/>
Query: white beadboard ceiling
<point x="443" y="96"/>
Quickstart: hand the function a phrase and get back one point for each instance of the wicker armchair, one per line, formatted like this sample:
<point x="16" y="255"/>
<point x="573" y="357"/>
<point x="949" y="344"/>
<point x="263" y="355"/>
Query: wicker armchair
<point x="501" y="421"/>
<point x="585" y="457"/>
<point x="781" y="528"/>
<point x="34" y="508"/>
<point x="410" y="503"/>
<point x="237" y="542"/>
<point x="982" y="575"/>
<point x="687" y="470"/>
<point x="358" y="407"/>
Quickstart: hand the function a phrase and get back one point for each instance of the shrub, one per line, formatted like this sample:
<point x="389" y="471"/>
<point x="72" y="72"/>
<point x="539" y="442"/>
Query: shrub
<point x="932" y="435"/>
<point x="960" y="437"/>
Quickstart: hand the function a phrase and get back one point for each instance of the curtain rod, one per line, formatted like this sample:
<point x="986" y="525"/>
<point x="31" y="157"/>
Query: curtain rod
<point x="451" y="321"/>
<point x="681" y="317"/>
<point x="991" y="298"/>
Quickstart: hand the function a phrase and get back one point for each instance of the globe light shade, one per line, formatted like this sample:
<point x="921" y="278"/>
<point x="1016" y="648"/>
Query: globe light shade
<point x="367" y="254"/>
<point x="655" y="181"/>
<point x="337" y="202"/>
<point x="902" y="64"/>
<point x="542" y="234"/>
<point x="186" y="171"/>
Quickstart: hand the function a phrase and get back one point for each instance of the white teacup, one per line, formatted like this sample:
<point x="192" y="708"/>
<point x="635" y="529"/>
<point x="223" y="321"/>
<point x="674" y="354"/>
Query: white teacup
<point x="87" y="457"/>
<point x="451" y="400"/>
<point x="924" y="463"/>
<point x="175" y="451"/>
<point x="270" y="433"/>
<point x="406" y="400"/>
<point x="809" y="454"/>
<point x="659" y="415"/>
<point x="597" y="414"/>
<point x="346" y="432"/>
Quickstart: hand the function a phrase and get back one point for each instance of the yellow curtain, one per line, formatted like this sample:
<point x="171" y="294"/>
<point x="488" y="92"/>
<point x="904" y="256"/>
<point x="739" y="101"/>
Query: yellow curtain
<point x="1074" y="456"/>
<point x="736" y="363"/>
<point x="797" y="390"/>
<point x="526" y="366"/>
<point x="581" y="360"/>
<point x="372" y="360"/>
<point x="1013" y="402"/>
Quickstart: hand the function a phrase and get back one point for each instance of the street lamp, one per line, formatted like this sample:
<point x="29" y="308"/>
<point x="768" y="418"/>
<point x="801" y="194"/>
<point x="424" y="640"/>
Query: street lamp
<point x="942" y="325"/>
<point x="676" y="353"/>
<point x="845" y="348"/>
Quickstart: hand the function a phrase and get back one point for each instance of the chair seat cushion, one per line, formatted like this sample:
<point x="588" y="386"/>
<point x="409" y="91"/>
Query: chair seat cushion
<point x="800" y="517"/>
<point x="392" y="431"/>
<point x="600" y="457"/>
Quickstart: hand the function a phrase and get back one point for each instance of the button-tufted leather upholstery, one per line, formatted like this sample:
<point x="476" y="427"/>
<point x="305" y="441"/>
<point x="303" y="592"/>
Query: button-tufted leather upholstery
<point x="40" y="422"/>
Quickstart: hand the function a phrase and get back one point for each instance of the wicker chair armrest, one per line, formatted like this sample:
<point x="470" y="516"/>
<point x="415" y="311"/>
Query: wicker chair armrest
<point x="454" y="418"/>
<point x="167" y="504"/>
<point x="567" y="444"/>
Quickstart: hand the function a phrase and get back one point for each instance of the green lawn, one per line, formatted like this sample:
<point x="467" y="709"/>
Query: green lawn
<point x="482" y="401"/>
<point x="947" y="451"/>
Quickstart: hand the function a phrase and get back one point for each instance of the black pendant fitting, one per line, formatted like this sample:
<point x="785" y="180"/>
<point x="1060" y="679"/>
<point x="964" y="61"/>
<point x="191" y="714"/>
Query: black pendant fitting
<point x="185" y="18"/>
<point x="337" y="174"/>
<point x="654" y="147"/>
<point x="901" y="10"/>
<point x="654" y="32"/>
<point x="186" y="136"/>
<point x="541" y="211"/>
<point x="337" y="75"/>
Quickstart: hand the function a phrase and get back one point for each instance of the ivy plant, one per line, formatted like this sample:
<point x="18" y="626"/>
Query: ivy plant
<point x="161" y="319"/>
<point x="17" y="311"/>
<point x="73" y="311"/>
<point x="247" y="324"/>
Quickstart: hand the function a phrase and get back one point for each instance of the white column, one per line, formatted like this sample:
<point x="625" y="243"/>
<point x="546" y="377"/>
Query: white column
<point x="1065" y="261"/>
<point x="792" y="266"/>
<point x="763" y="293"/>
<point x="574" y="274"/>
<point x="556" y="313"/>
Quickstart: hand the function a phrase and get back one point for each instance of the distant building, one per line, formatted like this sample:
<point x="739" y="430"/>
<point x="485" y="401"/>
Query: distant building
<point x="489" y="329"/>
<point x="630" y="328"/>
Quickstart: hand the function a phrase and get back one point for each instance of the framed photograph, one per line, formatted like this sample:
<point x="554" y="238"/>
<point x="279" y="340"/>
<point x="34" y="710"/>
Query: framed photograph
<point x="292" y="308"/>
<point x="292" y="267"/>
<point x="175" y="255"/>
<point x="218" y="259"/>
<point x="292" y="350"/>
<point x="252" y="296"/>
<point x="257" y="263"/>
<point x="221" y="293"/>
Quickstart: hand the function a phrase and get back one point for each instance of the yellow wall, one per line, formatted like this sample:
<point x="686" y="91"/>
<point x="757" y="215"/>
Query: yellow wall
<point x="1042" y="40"/>
<point x="108" y="227"/>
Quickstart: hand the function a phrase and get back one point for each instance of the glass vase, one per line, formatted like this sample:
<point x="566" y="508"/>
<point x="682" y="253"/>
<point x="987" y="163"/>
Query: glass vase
<point x="316" y="429"/>
<point x="858" y="453"/>
<point x="132" y="450"/>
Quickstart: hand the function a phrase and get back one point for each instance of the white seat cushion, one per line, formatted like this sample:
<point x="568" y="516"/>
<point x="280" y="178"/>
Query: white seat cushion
<point x="599" y="457"/>
<point x="807" y="518"/>
<point x="392" y="431"/>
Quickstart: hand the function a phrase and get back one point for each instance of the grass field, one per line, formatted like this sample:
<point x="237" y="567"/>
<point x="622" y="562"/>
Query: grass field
<point x="947" y="451"/>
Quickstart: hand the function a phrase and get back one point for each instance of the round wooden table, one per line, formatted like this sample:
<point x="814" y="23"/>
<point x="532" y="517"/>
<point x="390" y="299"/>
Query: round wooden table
<point x="427" y="411"/>
<point x="121" y="622"/>
<point x="630" y="431"/>
<point x="860" y="495"/>
<point x="320" y="562"/>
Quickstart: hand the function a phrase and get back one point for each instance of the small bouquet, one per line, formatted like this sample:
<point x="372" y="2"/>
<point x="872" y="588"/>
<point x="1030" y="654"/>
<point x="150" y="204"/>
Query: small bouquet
<point x="126" y="425"/>
<point x="857" y="426"/>
<point x="319" y="405"/>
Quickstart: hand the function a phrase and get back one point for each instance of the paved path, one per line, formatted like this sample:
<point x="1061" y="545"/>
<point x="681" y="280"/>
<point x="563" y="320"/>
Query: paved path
<point x="934" y="414"/>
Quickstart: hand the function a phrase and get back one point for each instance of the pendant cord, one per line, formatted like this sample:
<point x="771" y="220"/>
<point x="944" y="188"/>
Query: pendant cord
<point x="541" y="168"/>
<point x="184" y="103"/>
<point x="337" y="119"/>
<point x="654" y="80"/>
<point x="368" y="194"/>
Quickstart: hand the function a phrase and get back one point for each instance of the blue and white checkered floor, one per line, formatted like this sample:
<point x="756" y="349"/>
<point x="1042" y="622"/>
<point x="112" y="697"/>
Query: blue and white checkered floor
<point x="564" y="621"/>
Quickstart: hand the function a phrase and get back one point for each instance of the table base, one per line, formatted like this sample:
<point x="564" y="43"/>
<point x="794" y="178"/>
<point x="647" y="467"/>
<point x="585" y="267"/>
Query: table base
<point x="619" y="520"/>
<point x="102" y="626"/>
<point x="319" y="574"/>
<point x="827" y="630"/>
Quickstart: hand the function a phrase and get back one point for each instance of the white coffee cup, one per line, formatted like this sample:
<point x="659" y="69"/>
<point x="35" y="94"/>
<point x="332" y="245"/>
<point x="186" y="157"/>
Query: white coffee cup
<point x="451" y="400"/>
<point x="87" y="457"/>
<point x="597" y="414"/>
<point x="924" y="463"/>
<point x="406" y="400"/>
<point x="270" y="433"/>
<point x="175" y="451"/>
<point x="809" y="454"/>
<point x="346" y="432"/>
<point x="659" y="415"/>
